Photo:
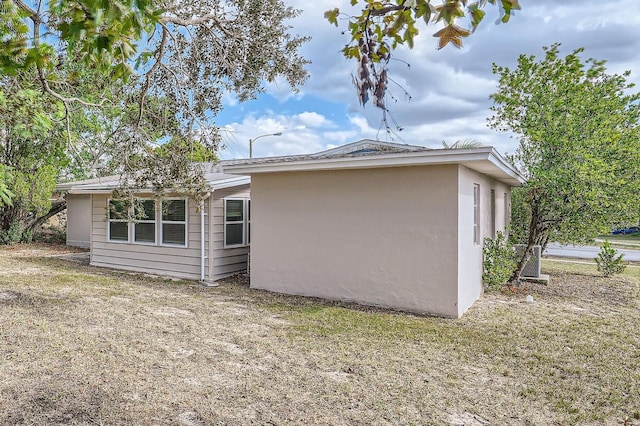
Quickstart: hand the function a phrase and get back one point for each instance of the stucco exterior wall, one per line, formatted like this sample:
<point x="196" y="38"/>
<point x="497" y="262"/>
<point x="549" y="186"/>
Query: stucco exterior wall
<point x="78" y="220"/>
<point x="385" y="236"/>
<point x="181" y="262"/>
<point x="225" y="261"/>
<point x="470" y="285"/>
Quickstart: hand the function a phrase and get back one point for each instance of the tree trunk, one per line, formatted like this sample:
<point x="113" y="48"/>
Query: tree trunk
<point x="538" y="235"/>
<point x="56" y="207"/>
<point x="10" y="214"/>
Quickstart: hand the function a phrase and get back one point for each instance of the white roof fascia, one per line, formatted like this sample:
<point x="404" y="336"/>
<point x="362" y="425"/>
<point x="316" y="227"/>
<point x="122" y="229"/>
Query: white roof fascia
<point x="231" y="182"/>
<point x="89" y="191"/>
<point x="434" y="157"/>
<point x="501" y="162"/>
<point x="108" y="189"/>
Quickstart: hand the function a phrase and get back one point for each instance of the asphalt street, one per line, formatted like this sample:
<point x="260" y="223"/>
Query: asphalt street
<point x="586" y="252"/>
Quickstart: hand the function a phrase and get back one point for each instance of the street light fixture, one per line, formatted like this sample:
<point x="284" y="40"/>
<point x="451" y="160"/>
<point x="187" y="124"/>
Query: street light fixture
<point x="251" y="141"/>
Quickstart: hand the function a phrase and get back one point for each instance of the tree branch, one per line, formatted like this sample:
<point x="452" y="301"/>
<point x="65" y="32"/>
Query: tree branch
<point x="211" y="17"/>
<point x="33" y="14"/>
<point x="147" y="82"/>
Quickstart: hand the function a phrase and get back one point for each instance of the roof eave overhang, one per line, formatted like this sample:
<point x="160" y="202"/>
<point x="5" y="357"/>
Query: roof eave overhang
<point x="484" y="160"/>
<point x="108" y="189"/>
<point x="231" y="182"/>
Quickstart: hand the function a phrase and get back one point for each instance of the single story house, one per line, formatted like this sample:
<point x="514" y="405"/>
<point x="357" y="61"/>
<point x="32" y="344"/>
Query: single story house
<point x="175" y="238"/>
<point x="378" y="223"/>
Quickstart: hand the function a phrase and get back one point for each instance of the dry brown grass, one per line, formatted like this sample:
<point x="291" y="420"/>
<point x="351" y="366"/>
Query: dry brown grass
<point x="81" y="345"/>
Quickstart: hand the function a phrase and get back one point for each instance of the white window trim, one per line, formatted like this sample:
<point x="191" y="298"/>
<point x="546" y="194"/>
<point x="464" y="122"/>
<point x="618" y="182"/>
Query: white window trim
<point x="244" y="222"/>
<point x="185" y="223"/>
<point x="476" y="213"/>
<point x="507" y="213"/>
<point x="494" y="229"/>
<point x="157" y="222"/>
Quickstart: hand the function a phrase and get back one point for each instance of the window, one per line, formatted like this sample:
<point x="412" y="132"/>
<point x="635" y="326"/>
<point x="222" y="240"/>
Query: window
<point x="174" y="222"/>
<point x="507" y="214"/>
<point x="236" y="221"/>
<point x="144" y="228"/>
<point x="118" y="220"/>
<point x="248" y="221"/>
<point x="493" y="213"/>
<point x="476" y="213"/>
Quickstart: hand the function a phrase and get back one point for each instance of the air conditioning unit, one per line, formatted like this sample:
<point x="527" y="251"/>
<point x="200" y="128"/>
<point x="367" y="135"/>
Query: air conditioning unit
<point x="532" y="267"/>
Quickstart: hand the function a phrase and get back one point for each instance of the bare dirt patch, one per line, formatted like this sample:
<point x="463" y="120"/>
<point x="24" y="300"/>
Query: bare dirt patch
<point x="82" y="345"/>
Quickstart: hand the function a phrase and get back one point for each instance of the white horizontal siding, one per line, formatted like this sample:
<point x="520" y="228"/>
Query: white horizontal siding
<point x="183" y="262"/>
<point x="225" y="261"/>
<point x="152" y="271"/>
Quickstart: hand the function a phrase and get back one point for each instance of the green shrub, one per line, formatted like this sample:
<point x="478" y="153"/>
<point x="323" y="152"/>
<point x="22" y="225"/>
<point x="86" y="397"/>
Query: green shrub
<point x="50" y="235"/>
<point x="500" y="260"/>
<point x="607" y="261"/>
<point x="12" y="235"/>
<point x="15" y="234"/>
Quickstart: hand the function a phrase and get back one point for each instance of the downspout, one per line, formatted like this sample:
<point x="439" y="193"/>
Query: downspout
<point x="203" y="258"/>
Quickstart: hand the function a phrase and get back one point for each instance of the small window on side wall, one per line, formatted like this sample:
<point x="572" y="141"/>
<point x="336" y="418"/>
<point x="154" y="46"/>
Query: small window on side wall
<point x="235" y="221"/>
<point x="476" y="213"/>
<point x="507" y="214"/>
<point x="174" y="222"/>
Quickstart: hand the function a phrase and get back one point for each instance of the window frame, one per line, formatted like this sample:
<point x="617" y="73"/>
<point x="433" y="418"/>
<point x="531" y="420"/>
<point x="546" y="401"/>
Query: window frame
<point x="507" y="213"/>
<point x="158" y="222"/>
<point x="245" y="222"/>
<point x="185" y="222"/>
<point x="154" y="221"/>
<point x="109" y="221"/>
<point x="476" y="213"/>
<point x="493" y="213"/>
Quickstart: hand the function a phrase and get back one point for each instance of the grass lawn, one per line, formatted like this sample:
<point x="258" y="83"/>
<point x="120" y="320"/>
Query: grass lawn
<point x="83" y="345"/>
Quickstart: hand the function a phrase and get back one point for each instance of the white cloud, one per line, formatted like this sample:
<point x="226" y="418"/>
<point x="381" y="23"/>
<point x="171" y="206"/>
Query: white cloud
<point x="449" y="88"/>
<point x="301" y="134"/>
<point x="312" y="119"/>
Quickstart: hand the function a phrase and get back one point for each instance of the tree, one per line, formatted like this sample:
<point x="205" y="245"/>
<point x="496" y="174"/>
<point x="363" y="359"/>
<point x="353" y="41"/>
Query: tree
<point x="462" y="144"/>
<point x="184" y="53"/>
<point x="103" y="138"/>
<point x="382" y="25"/>
<point x="39" y="147"/>
<point x="32" y="151"/>
<point x="193" y="149"/>
<point x="5" y="193"/>
<point x="579" y="146"/>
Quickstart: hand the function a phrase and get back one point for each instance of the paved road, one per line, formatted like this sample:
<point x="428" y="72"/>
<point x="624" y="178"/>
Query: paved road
<point x="586" y="252"/>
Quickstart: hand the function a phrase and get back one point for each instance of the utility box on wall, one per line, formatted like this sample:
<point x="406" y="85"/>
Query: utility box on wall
<point x="532" y="268"/>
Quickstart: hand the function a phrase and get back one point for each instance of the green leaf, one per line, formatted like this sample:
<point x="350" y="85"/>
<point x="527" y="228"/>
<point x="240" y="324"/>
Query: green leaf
<point x="332" y="16"/>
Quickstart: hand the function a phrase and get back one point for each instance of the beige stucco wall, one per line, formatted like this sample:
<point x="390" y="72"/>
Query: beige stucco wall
<point x="385" y="236"/>
<point x="78" y="220"/>
<point x="470" y="285"/>
<point x="181" y="262"/>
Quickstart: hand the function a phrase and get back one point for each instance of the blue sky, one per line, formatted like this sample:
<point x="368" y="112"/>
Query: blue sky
<point x="449" y="88"/>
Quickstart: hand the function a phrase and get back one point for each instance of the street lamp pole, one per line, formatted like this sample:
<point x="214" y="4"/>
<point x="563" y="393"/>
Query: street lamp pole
<point x="251" y="141"/>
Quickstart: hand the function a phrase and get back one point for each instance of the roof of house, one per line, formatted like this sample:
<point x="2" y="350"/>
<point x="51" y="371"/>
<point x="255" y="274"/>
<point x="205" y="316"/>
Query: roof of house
<point x="213" y="174"/>
<point x="367" y="154"/>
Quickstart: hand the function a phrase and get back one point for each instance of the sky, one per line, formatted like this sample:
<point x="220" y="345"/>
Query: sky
<point x="449" y="88"/>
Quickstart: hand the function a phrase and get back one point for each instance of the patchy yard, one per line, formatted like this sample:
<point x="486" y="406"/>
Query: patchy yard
<point x="82" y="345"/>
